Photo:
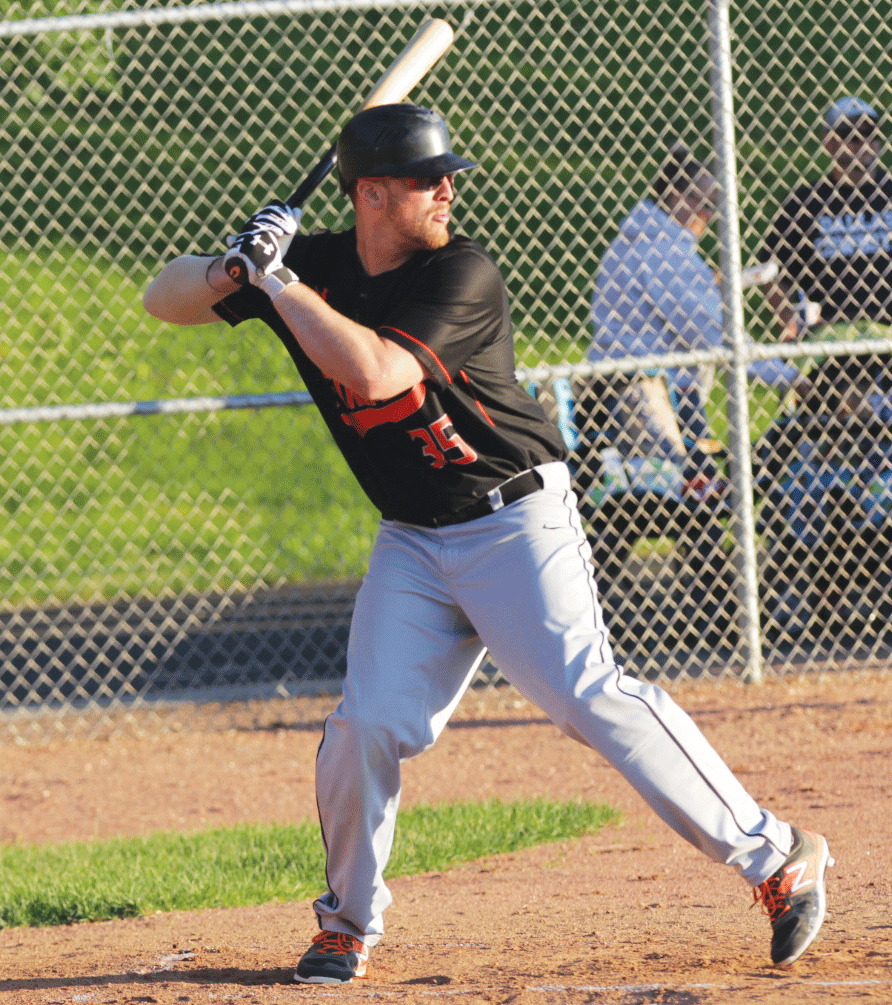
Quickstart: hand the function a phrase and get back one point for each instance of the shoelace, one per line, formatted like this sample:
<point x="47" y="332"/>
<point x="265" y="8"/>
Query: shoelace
<point x="773" y="902"/>
<point x="335" y="943"/>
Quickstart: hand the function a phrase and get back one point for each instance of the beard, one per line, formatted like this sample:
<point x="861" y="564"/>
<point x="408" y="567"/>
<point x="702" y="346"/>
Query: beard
<point x="438" y="236"/>
<point x="424" y="235"/>
<point x="859" y="164"/>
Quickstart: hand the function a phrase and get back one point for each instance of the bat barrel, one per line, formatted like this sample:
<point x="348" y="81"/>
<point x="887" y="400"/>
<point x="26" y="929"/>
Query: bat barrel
<point x="428" y="44"/>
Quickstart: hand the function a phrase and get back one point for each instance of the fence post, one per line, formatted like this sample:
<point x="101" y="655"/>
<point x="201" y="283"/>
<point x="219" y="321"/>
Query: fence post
<point x="732" y="309"/>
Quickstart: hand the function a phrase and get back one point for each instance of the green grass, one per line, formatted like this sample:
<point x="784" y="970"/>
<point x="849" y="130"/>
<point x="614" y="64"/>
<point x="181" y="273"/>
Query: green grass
<point x="177" y="503"/>
<point x="257" y="864"/>
<point x="112" y="507"/>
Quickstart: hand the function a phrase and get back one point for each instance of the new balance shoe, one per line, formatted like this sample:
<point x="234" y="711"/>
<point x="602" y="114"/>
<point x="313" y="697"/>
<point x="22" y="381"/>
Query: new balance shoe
<point x="795" y="898"/>
<point x="333" y="958"/>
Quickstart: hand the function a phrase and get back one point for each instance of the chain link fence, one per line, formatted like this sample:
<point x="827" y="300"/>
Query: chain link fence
<point x="178" y="527"/>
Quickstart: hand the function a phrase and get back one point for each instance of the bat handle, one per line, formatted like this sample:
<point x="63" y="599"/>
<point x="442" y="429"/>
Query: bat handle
<point x="306" y="188"/>
<point x="312" y="180"/>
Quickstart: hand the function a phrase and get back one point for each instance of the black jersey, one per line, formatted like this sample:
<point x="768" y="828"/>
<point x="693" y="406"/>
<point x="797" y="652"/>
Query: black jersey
<point x="835" y="242"/>
<point x="443" y="444"/>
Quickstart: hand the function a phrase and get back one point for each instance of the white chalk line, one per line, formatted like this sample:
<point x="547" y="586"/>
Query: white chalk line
<point x="166" y="962"/>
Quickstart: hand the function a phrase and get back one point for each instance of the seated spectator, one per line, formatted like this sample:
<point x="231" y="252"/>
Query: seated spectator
<point x="655" y="294"/>
<point x="826" y="512"/>
<point x="832" y="238"/>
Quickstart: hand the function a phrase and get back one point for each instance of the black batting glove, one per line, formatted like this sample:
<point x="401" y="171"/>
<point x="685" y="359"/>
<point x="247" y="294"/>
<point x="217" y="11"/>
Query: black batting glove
<point x="256" y="259"/>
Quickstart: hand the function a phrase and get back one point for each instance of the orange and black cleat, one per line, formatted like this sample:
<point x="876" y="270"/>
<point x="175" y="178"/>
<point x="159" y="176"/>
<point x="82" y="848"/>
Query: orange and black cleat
<point x="333" y="958"/>
<point x="795" y="898"/>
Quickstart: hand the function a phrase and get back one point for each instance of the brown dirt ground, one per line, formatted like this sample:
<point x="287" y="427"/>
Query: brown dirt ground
<point x="630" y="916"/>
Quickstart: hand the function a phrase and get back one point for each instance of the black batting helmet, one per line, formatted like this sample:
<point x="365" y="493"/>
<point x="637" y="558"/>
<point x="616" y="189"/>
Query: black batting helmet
<point x="396" y="141"/>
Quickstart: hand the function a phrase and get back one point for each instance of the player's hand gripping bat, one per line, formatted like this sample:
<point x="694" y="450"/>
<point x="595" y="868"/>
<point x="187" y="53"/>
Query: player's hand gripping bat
<point x="425" y="47"/>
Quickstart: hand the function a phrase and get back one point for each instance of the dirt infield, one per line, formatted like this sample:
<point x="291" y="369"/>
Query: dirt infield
<point x="630" y="916"/>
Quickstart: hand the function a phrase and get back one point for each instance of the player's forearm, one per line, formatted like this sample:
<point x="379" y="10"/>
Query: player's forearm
<point x="186" y="289"/>
<point x="355" y="356"/>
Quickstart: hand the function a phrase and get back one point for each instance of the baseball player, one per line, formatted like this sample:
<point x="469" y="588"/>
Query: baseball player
<point x="401" y="331"/>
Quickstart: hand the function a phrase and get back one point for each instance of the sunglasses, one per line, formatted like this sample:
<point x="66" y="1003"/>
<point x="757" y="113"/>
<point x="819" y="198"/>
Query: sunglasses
<point x="426" y="183"/>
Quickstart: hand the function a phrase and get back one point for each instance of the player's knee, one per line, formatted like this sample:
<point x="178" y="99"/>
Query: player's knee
<point x="381" y="733"/>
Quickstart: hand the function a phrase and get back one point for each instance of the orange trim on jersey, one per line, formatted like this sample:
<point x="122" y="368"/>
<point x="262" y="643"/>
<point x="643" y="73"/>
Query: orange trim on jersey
<point x="436" y="358"/>
<point x="376" y="414"/>
<point x="486" y="414"/>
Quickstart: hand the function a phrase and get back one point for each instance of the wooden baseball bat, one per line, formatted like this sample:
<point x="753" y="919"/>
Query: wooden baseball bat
<point x="425" y="47"/>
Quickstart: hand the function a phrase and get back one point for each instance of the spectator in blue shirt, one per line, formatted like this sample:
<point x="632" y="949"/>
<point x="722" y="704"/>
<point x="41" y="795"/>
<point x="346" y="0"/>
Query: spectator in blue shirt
<point x="656" y="294"/>
<point x="646" y="463"/>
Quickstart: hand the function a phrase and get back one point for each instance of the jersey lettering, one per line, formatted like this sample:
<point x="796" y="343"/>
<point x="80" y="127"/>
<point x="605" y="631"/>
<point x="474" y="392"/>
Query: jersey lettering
<point x="352" y="400"/>
<point x="438" y="444"/>
<point x="365" y="415"/>
<point x="849" y="234"/>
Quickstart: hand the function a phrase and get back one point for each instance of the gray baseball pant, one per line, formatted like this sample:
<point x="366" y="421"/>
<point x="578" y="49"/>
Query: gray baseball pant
<point x="519" y="583"/>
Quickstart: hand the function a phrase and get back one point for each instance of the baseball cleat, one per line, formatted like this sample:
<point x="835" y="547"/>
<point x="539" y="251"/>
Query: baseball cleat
<point x="795" y="898"/>
<point x="333" y="958"/>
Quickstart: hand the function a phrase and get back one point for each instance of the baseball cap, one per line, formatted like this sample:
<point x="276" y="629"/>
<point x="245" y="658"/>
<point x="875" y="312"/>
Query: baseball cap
<point x="846" y="112"/>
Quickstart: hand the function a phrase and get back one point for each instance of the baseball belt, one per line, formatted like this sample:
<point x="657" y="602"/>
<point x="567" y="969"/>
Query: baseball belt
<point x="502" y="495"/>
